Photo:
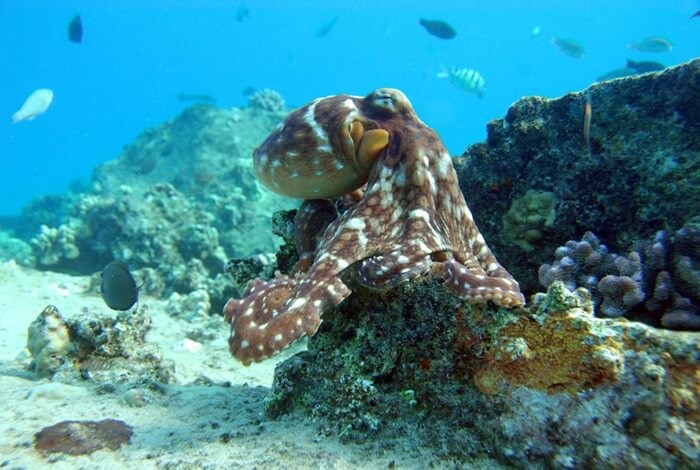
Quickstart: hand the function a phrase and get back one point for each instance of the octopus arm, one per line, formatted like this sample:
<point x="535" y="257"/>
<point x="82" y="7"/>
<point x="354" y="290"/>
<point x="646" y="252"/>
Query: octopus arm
<point x="274" y="314"/>
<point x="476" y="286"/>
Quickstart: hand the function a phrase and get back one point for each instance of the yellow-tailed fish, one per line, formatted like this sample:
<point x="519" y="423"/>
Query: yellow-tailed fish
<point x="587" y="115"/>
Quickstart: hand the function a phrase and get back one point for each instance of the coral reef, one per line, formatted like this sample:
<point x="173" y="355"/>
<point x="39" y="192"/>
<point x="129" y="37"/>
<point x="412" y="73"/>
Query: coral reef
<point x="658" y="282"/>
<point x="54" y="245"/>
<point x="191" y="203"/>
<point x="267" y="100"/>
<point x="549" y="386"/>
<point x="83" y="437"/>
<point x="12" y="248"/>
<point x="410" y="220"/>
<point x="640" y="176"/>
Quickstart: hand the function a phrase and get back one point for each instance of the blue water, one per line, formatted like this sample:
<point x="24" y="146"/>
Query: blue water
<point x="137" y="56"/>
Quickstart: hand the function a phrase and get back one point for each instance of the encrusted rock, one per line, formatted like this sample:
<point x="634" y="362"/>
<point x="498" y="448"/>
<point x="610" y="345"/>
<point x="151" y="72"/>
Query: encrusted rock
<point x="639" y="176"/>
<point x="102" y="348"/>
<point x="544" y="386"/>
<point x="48" y="341"/>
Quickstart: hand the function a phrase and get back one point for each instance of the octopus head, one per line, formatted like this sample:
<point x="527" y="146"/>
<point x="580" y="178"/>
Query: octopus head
<point x="322" y="150"/>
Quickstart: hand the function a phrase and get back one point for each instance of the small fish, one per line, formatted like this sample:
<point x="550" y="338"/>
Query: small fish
<point x="242" y="13"/>
<point x="326" y="28"/>
<point x="569" y="47"/>
<point x="467" y="79"/>
<point x="617" y="73"/>
<point x="587" y="115"/>
<point x="695" y="15"/>
<point x="118" y="287"/>
<point x="535" y="31"/>
<point x="247" y="91"/>
<point x="644" y="67"/>
<point x="438" y="28"/>
<point x="196" y="97"/>
<point x="37" y="103"/>
<point x="75" y="30"/>
<point x="652" y="44"/>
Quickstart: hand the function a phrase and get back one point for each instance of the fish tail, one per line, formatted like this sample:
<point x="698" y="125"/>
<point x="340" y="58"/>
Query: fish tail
<point x="443" y="73"/>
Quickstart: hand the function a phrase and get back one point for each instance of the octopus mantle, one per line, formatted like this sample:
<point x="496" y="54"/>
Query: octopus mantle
<point x="410" y="220"/>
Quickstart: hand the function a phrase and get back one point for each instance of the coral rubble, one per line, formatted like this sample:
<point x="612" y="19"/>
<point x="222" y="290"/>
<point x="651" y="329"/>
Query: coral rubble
<point x="102" y="348"/>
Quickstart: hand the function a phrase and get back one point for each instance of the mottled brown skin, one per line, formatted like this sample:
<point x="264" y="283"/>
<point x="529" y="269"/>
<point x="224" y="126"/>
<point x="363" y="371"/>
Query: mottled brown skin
<point x="412" y="219"/>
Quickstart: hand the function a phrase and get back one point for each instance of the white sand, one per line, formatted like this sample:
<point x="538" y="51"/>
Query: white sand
<point x="188" y="426"/>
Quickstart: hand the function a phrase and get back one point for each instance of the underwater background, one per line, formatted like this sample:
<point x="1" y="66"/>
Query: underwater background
<point x="149" y="232"/>
<point x="136" y="58"/>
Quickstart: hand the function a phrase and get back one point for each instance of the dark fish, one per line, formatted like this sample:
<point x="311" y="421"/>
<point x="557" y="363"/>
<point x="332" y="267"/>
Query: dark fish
<point x="438" y="28"/>
<point x="617" y="73"/>
<point x="195" y="97"/>
<point x="696" y="15"/>
<point x="326" y="28"/>
<point x="118" y="287"/>
<point x="242" y="13"/>
<point x="569" y="47"/>
<point x="247" y="91"/>
<point x="75" y="30"/>
<point x="644" y="67"/>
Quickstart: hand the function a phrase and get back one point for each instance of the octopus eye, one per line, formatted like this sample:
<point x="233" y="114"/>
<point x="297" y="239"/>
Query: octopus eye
<point x="384" y="101"/>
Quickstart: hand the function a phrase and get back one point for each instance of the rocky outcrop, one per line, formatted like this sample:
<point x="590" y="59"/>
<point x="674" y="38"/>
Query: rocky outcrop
<point x="639" y="174"/>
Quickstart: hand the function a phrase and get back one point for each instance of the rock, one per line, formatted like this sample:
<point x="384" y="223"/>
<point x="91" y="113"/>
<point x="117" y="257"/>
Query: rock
<point x="533" y="387"/>
<point x="639" y="177"/>
<point x="83" y="437"/>
<point x="48" y="341"/>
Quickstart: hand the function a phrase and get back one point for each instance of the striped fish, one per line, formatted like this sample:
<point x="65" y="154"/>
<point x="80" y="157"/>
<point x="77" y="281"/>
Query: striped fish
<point x="467" y="79"/>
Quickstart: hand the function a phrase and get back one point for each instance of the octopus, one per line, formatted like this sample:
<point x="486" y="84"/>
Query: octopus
<point x="403" y="216"/>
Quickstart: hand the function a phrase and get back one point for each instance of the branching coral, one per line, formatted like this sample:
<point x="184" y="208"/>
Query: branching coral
<point x="658" y="282"/>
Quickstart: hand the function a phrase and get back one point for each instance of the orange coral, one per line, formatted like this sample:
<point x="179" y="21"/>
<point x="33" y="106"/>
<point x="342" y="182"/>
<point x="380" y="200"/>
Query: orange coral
<point x="557" y="356"/>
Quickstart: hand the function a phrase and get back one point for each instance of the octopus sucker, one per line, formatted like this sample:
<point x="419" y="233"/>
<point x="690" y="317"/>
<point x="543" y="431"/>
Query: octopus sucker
<point x="381" y="163"/>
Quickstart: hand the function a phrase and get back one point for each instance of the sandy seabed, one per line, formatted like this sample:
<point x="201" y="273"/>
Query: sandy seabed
<point x="217" y="422"/>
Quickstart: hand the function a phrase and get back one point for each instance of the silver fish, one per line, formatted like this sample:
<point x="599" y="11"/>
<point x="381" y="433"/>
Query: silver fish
<point x="467" y="79"/>
<point x="652" y="44"/>
<point x="569" y="47"/>
<point x="37" y="103"/>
